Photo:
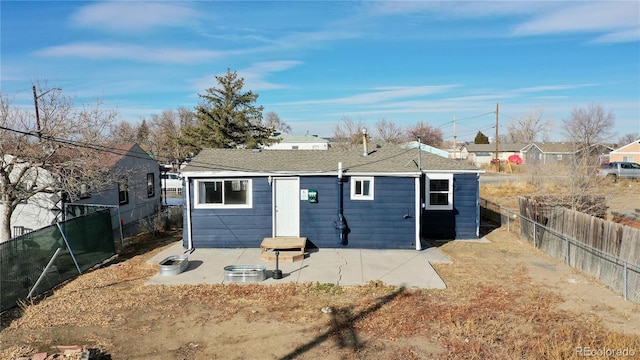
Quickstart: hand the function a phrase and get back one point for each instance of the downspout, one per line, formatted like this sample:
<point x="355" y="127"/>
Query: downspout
<point x="340" y="224"/>
<point x="418" y="210"/>
<point x="187" y="185"/>
<point x="419" y="197"/>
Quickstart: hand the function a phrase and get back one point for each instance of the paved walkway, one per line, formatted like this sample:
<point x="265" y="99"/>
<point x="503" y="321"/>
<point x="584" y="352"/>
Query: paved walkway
<point x="342" y="266"/>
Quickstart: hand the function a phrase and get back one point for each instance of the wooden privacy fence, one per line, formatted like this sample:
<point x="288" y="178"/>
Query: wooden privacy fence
<point x="603" y="249"/>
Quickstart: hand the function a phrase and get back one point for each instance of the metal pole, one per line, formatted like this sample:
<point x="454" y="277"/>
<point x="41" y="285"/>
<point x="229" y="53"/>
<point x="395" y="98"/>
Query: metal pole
<point x="277" y="273"/>
<point x="419" y="154"/>
<point x="64" y="237"/>
<point x="46" y="268"/>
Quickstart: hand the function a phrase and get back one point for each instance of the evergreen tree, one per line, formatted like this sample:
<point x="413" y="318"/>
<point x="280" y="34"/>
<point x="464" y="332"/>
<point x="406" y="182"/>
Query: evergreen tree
<point x="227" y="118"/>
<point x="481" y="138"/>
<point x="142" y="137"/>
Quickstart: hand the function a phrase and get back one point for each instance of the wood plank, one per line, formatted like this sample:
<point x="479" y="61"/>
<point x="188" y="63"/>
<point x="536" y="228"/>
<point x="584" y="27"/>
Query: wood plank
<point x="284" y="256"/>
<point x="284" y="243"/>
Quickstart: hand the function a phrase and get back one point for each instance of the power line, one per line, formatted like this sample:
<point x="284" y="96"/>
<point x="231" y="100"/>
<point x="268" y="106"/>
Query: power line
<point x="467" y="118"/>
<point x="100" y="148"/>
<point x="123" y="153"/>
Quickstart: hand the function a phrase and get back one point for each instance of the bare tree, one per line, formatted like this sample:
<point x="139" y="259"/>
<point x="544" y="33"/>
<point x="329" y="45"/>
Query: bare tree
<point x="59" y="156"/>
<point x="528" y="129"/>
<point x="125" y="132"/>
<point x="389" y="132"/>
<point x="348" y="132"/>
<point x="273" y="121"/>
<point x="628" y="139"/>
<point x="428" y="134"/>
<point x="160" y="134"/>
<point x="590" y="125"/>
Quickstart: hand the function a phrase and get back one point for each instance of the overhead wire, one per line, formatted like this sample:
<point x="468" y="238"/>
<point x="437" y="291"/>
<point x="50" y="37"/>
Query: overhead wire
<point x="124" y="153"/>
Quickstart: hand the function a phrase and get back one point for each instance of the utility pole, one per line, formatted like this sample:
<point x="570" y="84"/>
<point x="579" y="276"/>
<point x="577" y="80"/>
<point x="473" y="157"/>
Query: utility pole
<point x="35" y="102"/>
<point x="497" y="159"/>
<point x="454" y="137"/>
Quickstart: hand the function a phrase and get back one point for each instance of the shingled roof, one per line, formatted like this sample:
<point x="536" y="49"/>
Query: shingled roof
<point x="383" y="158"/>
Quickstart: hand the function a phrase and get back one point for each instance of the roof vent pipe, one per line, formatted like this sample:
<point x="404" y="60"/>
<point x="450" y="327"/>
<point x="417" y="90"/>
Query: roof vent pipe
<point x="364" y="142"/>
<point x="419" y="154"/>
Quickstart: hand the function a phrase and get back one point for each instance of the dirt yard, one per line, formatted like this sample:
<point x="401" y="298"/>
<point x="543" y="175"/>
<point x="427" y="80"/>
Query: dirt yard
<point x="504" y="300"/>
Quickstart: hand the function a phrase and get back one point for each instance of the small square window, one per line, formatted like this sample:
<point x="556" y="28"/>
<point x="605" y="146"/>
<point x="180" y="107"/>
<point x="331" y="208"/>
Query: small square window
<point x="439" y="192"/>
<point x="362" y="188"/>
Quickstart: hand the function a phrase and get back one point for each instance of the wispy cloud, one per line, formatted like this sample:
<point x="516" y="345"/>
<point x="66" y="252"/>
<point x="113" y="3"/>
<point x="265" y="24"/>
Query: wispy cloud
<point x="254" y="76"/>
<point x="619" y="36"/>
<point x="380" y="95"/>
<point x="546" y="88"/>
<point x="619" y="20"/>
<point x="125" y="16"/>
<point x="454" y="9"/>
<point x="122" y="51"/>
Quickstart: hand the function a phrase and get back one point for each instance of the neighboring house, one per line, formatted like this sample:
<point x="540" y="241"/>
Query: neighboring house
<point x="482" y="154"/>
<point x="38" y="211"/>
<point x="136" y="189"/>
<point x="299" y="142"/>
<point x="391" y="198"/>
<point x="559" y="152"/>
<point x="171" y="182"/>
<point x="629" y="152"/>
<point x="426" y="148"/>
<point x="135" y="192"/>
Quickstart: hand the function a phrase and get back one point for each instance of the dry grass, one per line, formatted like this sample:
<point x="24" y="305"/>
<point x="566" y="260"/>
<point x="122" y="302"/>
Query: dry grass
<point x="488" y="311"/>
<point x="491" y="309"/>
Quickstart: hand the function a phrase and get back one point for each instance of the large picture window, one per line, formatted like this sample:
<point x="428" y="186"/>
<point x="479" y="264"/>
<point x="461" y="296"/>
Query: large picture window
<point x="361" y="188"/>
<point x="439" y="191"/>
<point x="223" y="194"/>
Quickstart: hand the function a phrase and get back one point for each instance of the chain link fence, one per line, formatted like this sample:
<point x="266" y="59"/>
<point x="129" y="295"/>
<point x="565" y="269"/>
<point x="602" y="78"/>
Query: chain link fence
<point x="37" y="261"/>
<point x="619" y="275"/>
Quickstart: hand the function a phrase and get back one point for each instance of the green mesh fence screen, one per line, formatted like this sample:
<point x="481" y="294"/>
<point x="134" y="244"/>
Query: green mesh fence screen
<point x="73" y="210"/>
<point x="36" y="262"/>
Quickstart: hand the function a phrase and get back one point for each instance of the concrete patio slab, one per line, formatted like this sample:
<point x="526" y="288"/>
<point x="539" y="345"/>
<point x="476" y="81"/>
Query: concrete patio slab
<point x="339" y="266"/>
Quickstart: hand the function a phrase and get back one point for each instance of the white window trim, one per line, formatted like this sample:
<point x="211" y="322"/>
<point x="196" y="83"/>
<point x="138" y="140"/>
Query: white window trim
<point x="355" y="196"/>
<point x="430" y="177"/>
<point x="198" y="205"/>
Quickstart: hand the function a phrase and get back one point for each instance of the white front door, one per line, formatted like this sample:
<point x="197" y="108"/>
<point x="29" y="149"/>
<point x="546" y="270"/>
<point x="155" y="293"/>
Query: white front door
<point x="286" y="207"/>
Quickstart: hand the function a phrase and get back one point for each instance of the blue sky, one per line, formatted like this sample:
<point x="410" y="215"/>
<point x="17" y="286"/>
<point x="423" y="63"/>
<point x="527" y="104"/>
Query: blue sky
<point x="315" y="62"/>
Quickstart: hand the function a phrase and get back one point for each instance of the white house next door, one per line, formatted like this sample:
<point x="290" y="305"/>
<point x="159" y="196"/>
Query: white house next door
<point x="286" y="207"/>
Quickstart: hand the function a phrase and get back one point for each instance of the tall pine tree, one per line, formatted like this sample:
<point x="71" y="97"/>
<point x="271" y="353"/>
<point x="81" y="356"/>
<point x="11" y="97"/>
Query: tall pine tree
<point x="227" y="118"/>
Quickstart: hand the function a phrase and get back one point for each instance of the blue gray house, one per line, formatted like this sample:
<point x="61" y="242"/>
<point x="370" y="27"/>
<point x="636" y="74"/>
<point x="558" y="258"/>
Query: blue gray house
<point x="388" y="197"/>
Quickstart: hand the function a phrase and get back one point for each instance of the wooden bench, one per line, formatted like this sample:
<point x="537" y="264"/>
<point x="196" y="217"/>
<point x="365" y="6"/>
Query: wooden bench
<point x="290" y="248"/>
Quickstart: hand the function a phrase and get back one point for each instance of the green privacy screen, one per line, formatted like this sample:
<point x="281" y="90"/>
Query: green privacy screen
<point x="36" y="262"/>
